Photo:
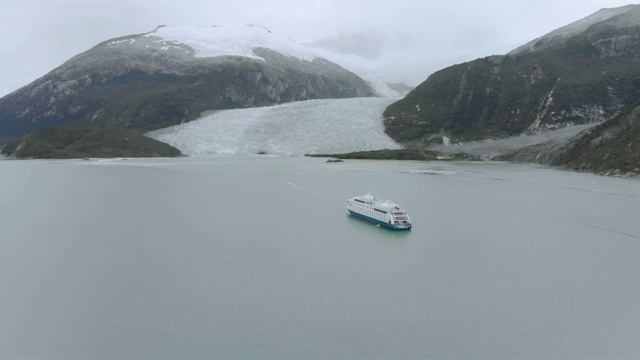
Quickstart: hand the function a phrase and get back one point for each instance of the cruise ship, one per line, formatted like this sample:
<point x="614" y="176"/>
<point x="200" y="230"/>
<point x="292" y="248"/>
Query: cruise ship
<point x="384" y="213"/>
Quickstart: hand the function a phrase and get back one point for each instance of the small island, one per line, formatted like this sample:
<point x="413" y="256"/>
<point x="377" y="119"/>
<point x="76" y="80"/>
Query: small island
<point x="61" y="142"/>
<point x="399" y="154"/>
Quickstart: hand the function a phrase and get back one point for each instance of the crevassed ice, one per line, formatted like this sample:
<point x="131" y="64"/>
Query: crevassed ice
<point x="294" y="129"/>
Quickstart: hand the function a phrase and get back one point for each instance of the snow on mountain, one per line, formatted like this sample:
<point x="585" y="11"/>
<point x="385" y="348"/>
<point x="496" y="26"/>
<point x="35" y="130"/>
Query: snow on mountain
<point x="395" y="65"/>
<point x="232" y="41"/>
<point x="294" y="129"/>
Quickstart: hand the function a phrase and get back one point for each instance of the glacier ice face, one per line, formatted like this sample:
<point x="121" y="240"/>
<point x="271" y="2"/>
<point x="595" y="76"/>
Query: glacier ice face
<point x="294" y="129"/>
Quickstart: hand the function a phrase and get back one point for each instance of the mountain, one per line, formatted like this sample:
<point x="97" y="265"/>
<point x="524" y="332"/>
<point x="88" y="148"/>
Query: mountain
<point x="172" y="75"/>
<point x="586" y="72"/>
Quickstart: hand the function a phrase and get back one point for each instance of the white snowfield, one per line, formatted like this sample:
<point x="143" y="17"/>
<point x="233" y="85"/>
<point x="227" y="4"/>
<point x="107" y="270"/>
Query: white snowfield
<point x="232" y="41"/>
<point x="293" y="129"/>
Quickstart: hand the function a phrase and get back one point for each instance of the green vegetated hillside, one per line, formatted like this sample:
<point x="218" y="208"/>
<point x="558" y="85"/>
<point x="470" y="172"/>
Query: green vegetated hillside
<point x="86" y="142"/>
<point x="588" y="77"/>
<point x="585" y="72"/>
<point x="508" y="95"/>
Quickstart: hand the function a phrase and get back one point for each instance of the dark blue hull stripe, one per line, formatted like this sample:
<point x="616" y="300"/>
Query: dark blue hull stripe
<point x="381" y="223"/>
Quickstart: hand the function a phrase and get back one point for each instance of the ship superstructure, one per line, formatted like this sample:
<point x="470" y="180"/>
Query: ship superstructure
<point x="384" y="213"/>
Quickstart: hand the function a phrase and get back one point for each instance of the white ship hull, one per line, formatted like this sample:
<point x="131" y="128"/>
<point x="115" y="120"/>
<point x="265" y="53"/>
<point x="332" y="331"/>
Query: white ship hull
<point x="387" y="213"/>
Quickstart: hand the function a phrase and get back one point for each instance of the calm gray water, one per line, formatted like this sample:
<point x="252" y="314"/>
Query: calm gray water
<point x="220" y="257"/>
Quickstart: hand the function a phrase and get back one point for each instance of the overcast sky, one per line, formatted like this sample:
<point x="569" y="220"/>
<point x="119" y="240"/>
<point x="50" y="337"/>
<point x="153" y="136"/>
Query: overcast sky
<point x="38" y="35"/>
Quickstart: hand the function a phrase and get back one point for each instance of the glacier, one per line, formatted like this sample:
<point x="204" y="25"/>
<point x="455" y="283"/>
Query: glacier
<point x="293" y="129"/>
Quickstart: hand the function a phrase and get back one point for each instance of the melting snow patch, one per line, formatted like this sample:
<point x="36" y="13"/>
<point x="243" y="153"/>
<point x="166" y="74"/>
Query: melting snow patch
<point x="130" y="41"/>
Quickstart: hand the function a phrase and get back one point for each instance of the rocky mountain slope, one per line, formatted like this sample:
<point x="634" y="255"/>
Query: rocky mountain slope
<point x="611" y="148"/>
<point x="172" y="75"/>
<point x="620" y="17"/>
<point x="586" y="72"/>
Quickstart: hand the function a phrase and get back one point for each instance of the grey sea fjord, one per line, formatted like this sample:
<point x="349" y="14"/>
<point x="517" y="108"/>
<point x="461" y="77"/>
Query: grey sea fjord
<point x="218" y="256"/>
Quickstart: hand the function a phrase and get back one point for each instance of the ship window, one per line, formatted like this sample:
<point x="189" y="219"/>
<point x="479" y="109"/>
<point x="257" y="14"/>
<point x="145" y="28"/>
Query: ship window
<point x="360" y="201"/>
